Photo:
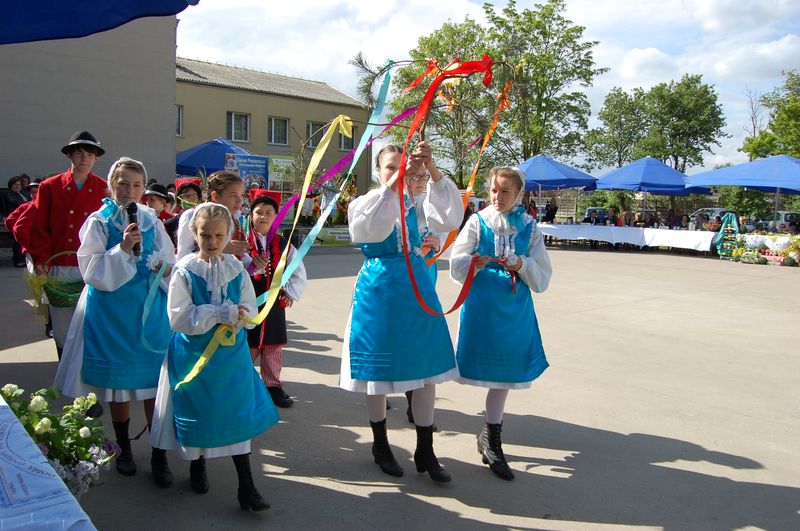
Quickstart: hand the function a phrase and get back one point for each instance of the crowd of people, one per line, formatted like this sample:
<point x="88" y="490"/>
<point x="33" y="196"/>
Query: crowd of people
<point x="154" y="297"/>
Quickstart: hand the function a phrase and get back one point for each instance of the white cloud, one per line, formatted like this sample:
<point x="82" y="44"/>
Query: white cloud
<point x="734" y="44"/>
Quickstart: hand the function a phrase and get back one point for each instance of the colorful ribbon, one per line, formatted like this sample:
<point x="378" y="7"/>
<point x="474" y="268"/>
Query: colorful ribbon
<point x="223" y="336"/>
<point x="155" y="284"/>
<point x="457" y="69"/>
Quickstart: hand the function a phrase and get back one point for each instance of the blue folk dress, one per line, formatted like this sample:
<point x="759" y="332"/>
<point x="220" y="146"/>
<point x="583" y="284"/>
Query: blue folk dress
<point x="226" y="404"/>
<point x="499" y="344"/>
<point x="391" y="344"/>
<point x="117" y="339"/>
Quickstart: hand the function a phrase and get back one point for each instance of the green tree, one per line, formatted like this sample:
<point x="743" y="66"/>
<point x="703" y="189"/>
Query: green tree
<point x="684" y="120"/>
<point x="749" y="203"/>
<point x="624" y="119"/>
<point x="451" y="128"/>
<point x="549" y="61"/>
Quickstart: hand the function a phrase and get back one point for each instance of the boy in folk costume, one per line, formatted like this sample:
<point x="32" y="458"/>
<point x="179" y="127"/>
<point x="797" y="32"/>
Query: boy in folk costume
<point x="63" y="203"/>
<point x="267" y="339"/>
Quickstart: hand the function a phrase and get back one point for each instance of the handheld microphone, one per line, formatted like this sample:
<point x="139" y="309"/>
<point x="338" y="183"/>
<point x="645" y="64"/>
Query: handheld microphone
<point x="132" y="211"/>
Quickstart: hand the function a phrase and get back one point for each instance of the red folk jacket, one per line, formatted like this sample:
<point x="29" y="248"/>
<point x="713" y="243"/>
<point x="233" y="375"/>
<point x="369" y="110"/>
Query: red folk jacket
<point x="61" y="209"/>
<point x="19" y="224"/>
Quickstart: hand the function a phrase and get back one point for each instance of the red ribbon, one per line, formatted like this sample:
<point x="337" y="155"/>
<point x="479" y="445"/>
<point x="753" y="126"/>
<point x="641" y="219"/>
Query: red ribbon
<point x="432" y="65"/>
<point x="464" y="69"/>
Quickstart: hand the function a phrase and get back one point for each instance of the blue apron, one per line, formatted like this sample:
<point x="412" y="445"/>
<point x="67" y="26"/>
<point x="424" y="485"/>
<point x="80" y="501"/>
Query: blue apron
<point x="226" y="403"/>
<point x="114" y="356"/>
<point x="392" y="338"/>
<point x="498" y="337"/>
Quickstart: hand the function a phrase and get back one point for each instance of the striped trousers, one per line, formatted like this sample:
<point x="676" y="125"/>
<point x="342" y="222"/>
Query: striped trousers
<point x="270" y="363"/>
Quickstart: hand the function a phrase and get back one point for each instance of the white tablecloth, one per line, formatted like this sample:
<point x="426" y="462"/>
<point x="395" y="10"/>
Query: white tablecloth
<point x="683" y="239"/>
<point x="776" y="243"/>
<point x="32" y="496"/>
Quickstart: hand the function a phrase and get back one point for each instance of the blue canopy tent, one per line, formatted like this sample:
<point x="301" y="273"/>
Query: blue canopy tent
<point x="648" y="175"/>
<point x="544" y="173"/>
<point x="207" y="157"/>
<point x="40" y="20"/>
<point x="776" y="174"/>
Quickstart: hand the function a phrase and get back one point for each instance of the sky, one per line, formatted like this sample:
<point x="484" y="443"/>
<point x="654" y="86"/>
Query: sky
<point x="737" y="45"/>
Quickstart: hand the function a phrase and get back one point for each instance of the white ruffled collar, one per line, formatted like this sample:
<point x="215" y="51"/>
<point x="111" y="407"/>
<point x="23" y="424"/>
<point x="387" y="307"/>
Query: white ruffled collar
<point x="146" y="217"/>
<point x="505" y="226"/>
<point x="217" y="272"/>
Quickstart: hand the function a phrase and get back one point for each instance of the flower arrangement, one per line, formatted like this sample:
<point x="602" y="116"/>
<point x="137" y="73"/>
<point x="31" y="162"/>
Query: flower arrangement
<point x="73" y="441"/>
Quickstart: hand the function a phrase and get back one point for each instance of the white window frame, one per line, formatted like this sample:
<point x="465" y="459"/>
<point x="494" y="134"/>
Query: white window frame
<point x="231" y="115"/>
<point x="314" y="134"/>
<point x="178" y="120"/>
<point x="271" y="131"/>
<point x="343" y="141"/>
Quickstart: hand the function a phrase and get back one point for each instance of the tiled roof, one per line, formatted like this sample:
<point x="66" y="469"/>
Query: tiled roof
<point x="204" y="73"/>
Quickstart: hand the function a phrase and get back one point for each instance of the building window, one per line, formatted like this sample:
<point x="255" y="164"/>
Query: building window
<point x="278" y="131"/>
<point x="346" y="144"/>
<point x="237" y="127"/>
<point x="178" y="120"/>
<point x="314" y="132"/>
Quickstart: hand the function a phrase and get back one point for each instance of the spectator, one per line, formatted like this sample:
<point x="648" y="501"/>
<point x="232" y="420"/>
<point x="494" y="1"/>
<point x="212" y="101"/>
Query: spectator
<point x="742" y="225"/>
<point x="591" y="219"/>
<point x="550" y="210"/>
<point x="156" y="198"/>
<point x="683" y="224"/>
<point x="638" y="221"/>
<point x="626" y="220"/>
<point x="171" y="188"/>
<point x="612" y="219"/>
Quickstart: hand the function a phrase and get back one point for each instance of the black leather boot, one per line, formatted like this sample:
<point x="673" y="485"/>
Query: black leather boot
<point x="424" y="457"/>
<point x="491" y="449"/>
<point x="198" y="479"/>
<point x="124" y="461"/>
<point x="160" y="468"/>
<point x="249" y="497"/>
<point x="381" y="450"/>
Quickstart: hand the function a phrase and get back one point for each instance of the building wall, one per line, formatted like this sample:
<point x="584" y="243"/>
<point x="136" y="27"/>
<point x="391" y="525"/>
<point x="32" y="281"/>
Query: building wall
<point x="205" y="110"/>
<point x="119" y="85"/>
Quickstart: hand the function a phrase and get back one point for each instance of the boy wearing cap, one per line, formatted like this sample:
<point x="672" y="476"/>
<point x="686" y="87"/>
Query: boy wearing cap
<point x="63" y="203"/>
<point x="156" y="198"/>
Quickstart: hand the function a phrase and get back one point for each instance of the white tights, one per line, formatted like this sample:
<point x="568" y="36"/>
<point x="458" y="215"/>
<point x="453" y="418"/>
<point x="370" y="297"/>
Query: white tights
<point x="495" y="405"/>
<point x="422" y="403"/>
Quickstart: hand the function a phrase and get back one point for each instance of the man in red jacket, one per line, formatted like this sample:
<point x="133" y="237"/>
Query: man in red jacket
<point x="63" y="203"/>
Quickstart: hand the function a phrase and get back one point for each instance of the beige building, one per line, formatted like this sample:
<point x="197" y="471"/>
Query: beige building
<point x="118" y="84"/>
<point x="264" y="113"/>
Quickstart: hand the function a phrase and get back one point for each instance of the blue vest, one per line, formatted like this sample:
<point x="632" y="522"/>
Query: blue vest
<point x="498" y="336"/>
<point x="114" y="356"/>
<point x="226" y="403"/>
<point x="391" y="337"/>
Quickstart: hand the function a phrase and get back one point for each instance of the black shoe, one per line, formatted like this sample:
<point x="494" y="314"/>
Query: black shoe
<point x="424" y="457"/>
<point x="491" y="449"/>
<point x="382" y="452"/>
<point x="248" y="495"/>
<point x="279" y="397"/>
<point x="197" y="475"/>
<point x="124" y="461"/>
<point x="160" y="468"/>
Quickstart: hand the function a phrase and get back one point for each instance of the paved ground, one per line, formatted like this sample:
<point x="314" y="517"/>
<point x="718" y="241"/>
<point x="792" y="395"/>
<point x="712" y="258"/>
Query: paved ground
<point x="671" y="402"/>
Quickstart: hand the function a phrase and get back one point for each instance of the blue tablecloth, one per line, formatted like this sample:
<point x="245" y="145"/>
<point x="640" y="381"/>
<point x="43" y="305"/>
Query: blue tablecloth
<point x="32" y="496"/>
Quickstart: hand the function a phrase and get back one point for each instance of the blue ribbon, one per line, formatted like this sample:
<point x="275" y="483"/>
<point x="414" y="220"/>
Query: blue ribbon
<point x="148" y="304"/>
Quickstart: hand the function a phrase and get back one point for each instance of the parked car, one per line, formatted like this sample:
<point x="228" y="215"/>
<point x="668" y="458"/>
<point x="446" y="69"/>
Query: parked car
<point x="778" y="220"/>
<point x="712" y="212"/>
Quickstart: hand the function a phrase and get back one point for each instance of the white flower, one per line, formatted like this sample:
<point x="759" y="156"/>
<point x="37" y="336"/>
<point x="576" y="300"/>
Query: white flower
<point x="92" y="398"/>
<point x="37" y="404"/>
<point x="43" y="426"/>
<point x="9" y="389"/>
<point x="85" y="432"/>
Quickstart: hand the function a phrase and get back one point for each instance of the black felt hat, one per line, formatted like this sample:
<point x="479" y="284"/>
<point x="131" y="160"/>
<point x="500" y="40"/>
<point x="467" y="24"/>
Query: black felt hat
<point x="82" y="138"/>
<point x="156" y="189"/>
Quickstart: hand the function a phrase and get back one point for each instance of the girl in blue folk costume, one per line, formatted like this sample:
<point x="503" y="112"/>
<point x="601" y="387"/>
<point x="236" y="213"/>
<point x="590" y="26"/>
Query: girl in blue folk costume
<point x="391" y="344"/>
<point x="510" y="356"/>
<point x="215" y="412"/>
<point x="119" y="333"/>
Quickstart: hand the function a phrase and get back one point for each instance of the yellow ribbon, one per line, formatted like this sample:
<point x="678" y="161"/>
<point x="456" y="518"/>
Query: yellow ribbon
<point x="344" y="126"/>
<point x="224" y="335"/>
